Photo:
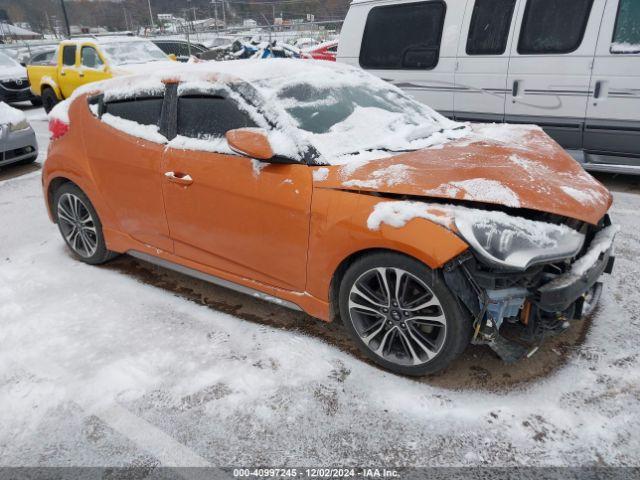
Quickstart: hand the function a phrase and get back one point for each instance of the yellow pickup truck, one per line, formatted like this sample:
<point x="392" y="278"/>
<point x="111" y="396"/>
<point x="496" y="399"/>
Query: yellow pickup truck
<point x="84" y="60"/>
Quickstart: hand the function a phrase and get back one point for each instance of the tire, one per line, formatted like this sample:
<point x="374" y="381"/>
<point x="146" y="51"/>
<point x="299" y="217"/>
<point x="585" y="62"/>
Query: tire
<point x="49" y="99"/>
<point x="371" y="317"/>
<point x="36" y="101"/>
<point x="72" y="209"/>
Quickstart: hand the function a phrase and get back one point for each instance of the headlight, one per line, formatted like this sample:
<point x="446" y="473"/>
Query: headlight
<point x="14" y="127"/>
<point x="517" y="243"/>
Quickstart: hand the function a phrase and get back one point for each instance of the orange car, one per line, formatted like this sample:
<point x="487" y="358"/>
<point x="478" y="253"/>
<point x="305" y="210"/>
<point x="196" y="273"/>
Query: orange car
<point x="322" y="188"/>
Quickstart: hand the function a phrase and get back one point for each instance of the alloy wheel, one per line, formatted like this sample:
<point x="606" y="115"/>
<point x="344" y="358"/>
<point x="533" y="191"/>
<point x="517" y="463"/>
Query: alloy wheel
<point x="397" y="316"/>
<point x="77" y="225"/>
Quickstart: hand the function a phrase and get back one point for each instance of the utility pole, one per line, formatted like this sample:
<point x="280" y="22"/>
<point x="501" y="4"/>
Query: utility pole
<point x="215" y="9"/>
<point x="151" y="16"/>
<point x="66" y="19"/>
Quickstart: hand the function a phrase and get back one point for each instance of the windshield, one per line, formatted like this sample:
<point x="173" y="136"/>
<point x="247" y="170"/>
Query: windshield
<point x="125" y="53"/>
<point x="7" y="61"/>
<point x="360" y="114"/>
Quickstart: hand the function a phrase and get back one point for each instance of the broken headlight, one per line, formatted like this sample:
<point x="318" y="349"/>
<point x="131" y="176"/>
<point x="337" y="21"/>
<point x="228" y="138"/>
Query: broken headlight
<point x="517" y="243"/>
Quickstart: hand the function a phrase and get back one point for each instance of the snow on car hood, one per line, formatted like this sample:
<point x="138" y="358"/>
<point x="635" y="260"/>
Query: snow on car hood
<point x="509" y="165"/>
<point x="14" y="73"/>
<point x="10" y="115"/>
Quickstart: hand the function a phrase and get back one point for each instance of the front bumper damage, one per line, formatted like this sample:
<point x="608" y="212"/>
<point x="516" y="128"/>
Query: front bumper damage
<point x="530" y="305"/>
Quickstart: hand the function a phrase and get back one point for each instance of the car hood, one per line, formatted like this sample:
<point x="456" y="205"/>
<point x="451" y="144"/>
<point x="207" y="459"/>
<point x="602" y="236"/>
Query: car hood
<point x="13" y="73"/>
<point x="512" y="166"/>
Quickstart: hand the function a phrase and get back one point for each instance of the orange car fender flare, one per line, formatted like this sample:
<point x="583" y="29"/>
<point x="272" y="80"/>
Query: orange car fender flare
<point x="339" y="233"/>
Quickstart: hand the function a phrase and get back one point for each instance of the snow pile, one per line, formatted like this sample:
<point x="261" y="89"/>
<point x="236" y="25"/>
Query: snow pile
<point x="145" y="132"/>
<point x="10" y="115"/>
<point x="398" y="214"/>
<point x="389" y="176"/>
<point x="320" y="174"/>
<point x="484" y="190"/>
<point x="584" y="197"/>
<point x="600" y="244"/>
<point x="625" y="47"/>
<point x="540" y="235"/>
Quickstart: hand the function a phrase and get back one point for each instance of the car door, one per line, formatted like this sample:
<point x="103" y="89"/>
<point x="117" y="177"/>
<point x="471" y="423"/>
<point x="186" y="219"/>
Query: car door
<point x="69" y="79"/>
<point x="483" y="60"/>
<point x="612" y="130"/>
<point x="92" y="65"/>
<point x="413" y="45"/>
<point x="550" y="66"/>
<point x="237" y="215"/>
<point x="125" y="152"/>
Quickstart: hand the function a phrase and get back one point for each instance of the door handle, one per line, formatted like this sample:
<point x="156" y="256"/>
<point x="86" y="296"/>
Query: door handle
<point x="63" y="73"/>
<point x="516" y="88"/>
<point x="598" y="90"/>
<point x="80" y="74"/>
<point x="179" y="178"/>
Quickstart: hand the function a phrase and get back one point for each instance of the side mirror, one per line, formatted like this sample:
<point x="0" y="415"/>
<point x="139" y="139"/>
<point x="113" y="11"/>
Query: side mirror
<point x="250" y="142"/>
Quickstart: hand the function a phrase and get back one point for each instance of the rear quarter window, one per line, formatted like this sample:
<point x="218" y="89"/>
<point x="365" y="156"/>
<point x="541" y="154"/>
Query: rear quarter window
<point x="403" y="37"/>
<point x="145" y="111"/>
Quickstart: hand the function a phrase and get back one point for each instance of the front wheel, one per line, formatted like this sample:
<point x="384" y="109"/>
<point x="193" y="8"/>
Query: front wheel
<point x="402" y="315"/>
<point x="49" y="99"/>
<point x="80" y="225"/>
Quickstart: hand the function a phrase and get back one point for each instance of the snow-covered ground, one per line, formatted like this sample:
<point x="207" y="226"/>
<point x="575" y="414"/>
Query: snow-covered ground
<point x="98" y="368"/>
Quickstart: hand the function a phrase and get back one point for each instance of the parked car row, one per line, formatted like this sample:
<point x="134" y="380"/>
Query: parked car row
<point x="84" y="60"/>
<point x="572" y="67"/>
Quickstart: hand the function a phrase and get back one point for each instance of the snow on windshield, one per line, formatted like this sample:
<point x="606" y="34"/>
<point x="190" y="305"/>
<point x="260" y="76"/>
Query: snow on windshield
<point x="126" y="53"/>
<point x="348" y="111"/>
<point x="7" y="61"/>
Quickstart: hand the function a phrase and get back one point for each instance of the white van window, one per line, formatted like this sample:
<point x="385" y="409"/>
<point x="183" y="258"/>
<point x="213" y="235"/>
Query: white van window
<point x="626" y="37"/>
<point x="402" y="37"/>
<point x="553" y="26"/>
<point x="489" y="28"/>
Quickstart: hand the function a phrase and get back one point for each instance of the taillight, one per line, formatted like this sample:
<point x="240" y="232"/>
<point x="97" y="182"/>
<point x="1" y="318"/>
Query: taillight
<point x="57" y="128"/>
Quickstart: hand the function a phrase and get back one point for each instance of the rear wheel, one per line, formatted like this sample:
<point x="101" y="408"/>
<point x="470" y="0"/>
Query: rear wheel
<point x="36" y="101"/>
<point x="80" y="225"/>
<point x="402" y="315"/>
<point x="49" y="99"/>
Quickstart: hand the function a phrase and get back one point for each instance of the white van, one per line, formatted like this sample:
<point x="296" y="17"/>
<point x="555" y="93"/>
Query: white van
<point x="570" y="66"/>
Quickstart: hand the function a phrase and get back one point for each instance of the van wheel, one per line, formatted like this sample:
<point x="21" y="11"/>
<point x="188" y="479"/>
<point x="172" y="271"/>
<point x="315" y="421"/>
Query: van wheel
<point x="36" y="101"/>
<point x="49" y="99"/>
<point x="402" y="315"/>
<point x="80" y="225"/>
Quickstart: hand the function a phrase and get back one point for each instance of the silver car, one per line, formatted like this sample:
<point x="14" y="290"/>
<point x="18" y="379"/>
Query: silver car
<point x="17" y="138"/>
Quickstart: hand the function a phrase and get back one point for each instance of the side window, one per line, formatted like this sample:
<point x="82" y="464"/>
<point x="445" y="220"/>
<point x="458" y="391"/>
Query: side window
<point x="90" y="58"/>
<point x="626" y="36"/>
<point x="69" y="55"/>
<point x="403" y="36"/>
<point x="489" y="28"/>
<point x="209" y="117"/>
<point x="553" y="26"/>
<point x="145" y="111"/>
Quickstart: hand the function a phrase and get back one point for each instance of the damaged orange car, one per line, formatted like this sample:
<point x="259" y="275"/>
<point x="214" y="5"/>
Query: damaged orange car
<point x="324" y="189"/>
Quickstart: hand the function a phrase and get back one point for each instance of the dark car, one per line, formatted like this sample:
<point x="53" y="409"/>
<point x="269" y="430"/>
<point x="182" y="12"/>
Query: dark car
<point x="181" y="48"/>
<point x="14" y="84"/>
